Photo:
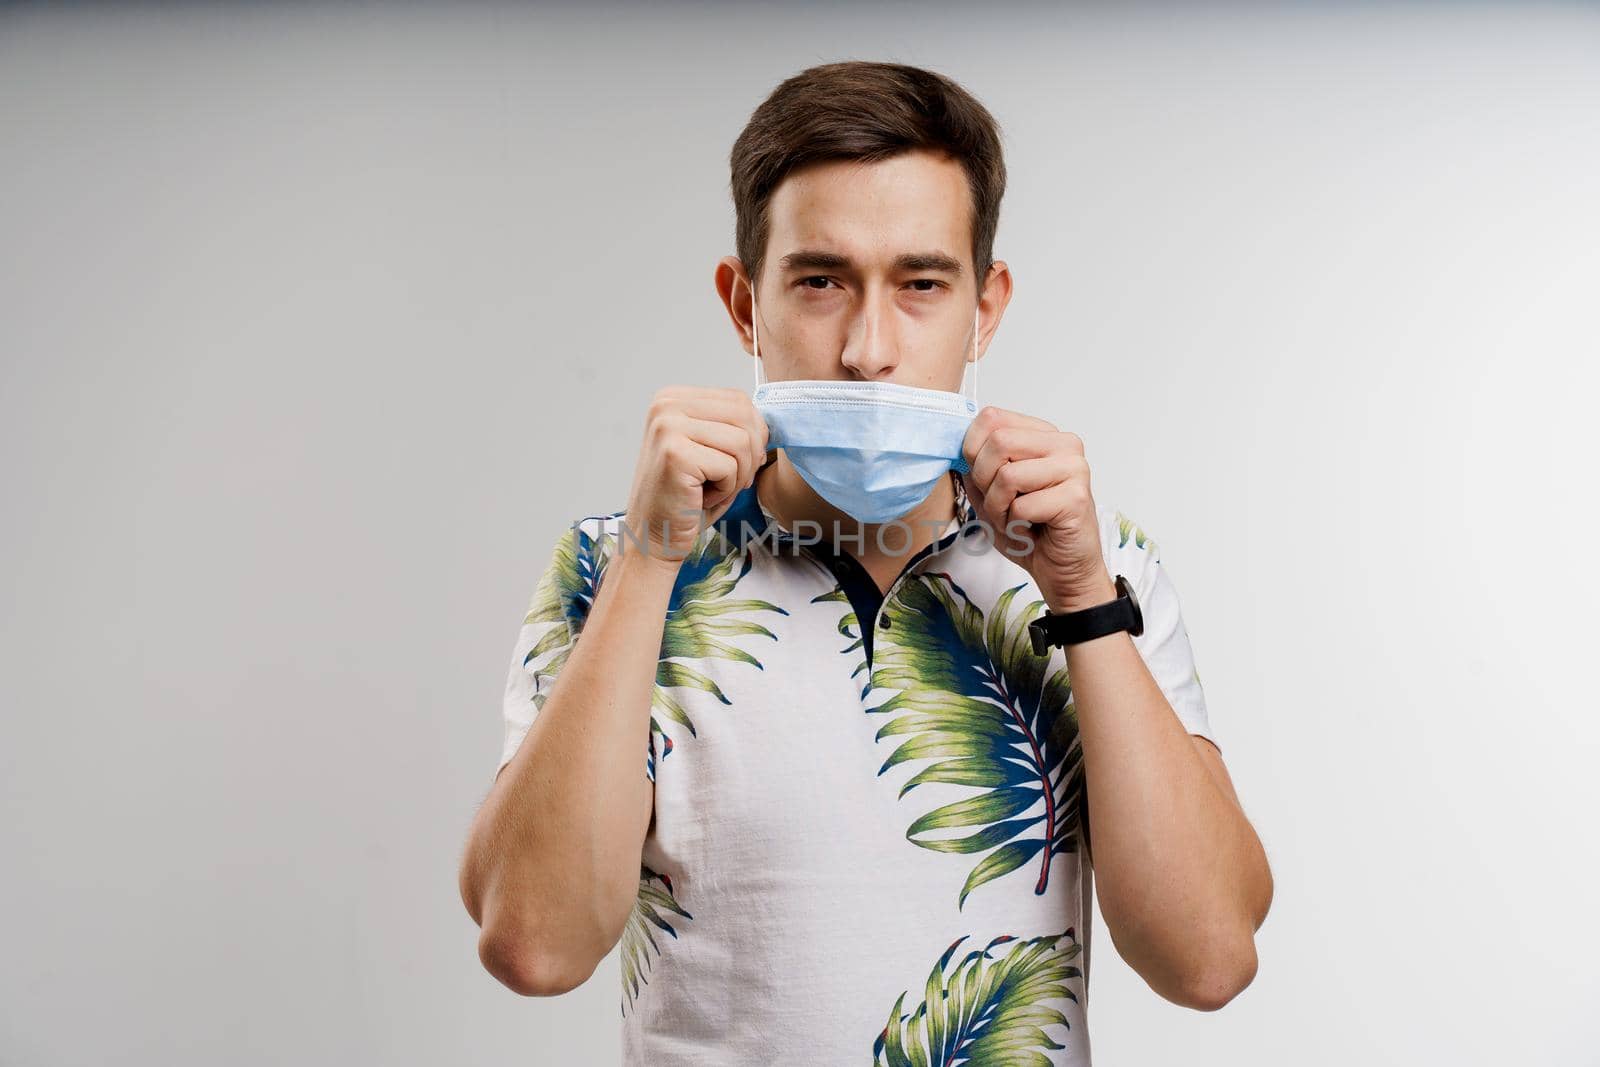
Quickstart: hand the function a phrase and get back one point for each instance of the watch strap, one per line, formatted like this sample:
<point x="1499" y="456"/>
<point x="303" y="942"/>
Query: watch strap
<point x="1086" y="624"/>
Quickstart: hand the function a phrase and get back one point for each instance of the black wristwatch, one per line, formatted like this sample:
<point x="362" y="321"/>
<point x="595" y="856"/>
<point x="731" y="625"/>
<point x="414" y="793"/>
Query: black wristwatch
<point x="1073" y="627"/>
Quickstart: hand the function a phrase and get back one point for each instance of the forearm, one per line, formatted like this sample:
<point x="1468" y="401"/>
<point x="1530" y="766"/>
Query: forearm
<point x="553" y="858"/>
<point x="1178" y="868"/>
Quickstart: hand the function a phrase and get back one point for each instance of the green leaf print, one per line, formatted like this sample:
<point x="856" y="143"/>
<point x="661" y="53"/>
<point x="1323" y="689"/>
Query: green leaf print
<point x="565" y="593"/>
<point x="988" y="1010"/>
<point x="973" y="698"/>
<point x="639" y="946"/>
<point x="700" y="618"/>
<point x="1127" y="528"/>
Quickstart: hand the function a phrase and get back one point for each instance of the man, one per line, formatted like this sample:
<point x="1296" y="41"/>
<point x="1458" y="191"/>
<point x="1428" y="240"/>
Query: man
<point x="824" y="789"/>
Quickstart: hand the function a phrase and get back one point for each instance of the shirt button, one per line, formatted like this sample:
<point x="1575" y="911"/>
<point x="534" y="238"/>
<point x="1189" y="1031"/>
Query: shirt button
<point x="883" y="621"/>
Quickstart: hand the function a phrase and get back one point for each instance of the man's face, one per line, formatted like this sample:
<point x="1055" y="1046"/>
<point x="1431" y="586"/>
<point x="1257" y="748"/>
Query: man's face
<point x="868" y="273"/>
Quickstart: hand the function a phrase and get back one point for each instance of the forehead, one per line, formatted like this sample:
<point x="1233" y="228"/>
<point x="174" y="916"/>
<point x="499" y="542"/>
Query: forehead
<point x="872" y="212"/>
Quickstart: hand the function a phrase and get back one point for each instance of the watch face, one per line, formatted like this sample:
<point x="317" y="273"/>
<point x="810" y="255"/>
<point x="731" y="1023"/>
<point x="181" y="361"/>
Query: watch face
<point x="1125" y="587"/>
<point x="1036" y="635"/>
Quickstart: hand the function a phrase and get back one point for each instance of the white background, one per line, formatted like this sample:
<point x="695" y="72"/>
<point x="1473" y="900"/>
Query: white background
<point x="319" y="325"/>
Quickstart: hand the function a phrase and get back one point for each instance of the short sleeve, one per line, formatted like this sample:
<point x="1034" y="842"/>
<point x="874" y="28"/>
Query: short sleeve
<point x="562" y="598"/>
<point x="1164" y="645"/>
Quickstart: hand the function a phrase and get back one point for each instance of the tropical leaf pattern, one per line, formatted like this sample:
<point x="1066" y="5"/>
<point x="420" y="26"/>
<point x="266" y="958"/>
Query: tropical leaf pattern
<point x="565" y="593"/>
<point x="990" y="1009"/>
<point x="701" y="622"/>
<point x="848" y="627"/>
<point x="953" y="694"/>
<point x="972" y="697"/>
<point x="651" y="908"/>
<point x="1127" y="528"/>
<point x="700" y="619"/>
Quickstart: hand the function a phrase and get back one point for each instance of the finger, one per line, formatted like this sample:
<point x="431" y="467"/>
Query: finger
<point x="1018" y="476"/>
<point x="1007" y="443"/>
<point x="1027" y="422"/>
<point x="994" y="520"/>
<point x="705" y="402"/>
<point x="734" y="407"/>
<point x="712" y="469"/>
<point x="989" y="419"/>
<point x="731" y="406"/>
<point x="997" y="523"/>
<point x="1049" y="507"/>
<point x="736" y="441"/>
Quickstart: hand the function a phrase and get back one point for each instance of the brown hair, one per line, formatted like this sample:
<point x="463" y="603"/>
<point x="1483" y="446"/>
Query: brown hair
<point x="867" y="111"/>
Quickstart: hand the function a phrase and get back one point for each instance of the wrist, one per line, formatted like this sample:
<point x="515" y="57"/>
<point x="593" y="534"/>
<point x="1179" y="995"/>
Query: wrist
<point x="640" y="565"/>
<point x="1101" y="590"/>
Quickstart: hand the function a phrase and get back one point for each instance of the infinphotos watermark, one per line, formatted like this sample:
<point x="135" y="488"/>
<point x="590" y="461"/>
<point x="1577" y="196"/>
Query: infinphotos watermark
<point x="893" y="538"/>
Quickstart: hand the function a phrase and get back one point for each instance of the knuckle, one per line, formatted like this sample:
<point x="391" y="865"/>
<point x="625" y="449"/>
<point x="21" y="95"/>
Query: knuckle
<point x="663" y="423"/>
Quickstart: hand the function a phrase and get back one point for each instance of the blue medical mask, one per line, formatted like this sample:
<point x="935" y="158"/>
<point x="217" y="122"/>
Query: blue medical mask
<point x="874" y="450"/>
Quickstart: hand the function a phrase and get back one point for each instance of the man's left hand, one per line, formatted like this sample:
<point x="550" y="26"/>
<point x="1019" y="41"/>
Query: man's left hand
<point x="1030" y="482"/>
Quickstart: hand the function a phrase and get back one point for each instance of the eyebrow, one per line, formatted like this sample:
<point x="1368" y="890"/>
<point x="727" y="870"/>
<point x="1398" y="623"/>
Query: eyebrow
<point x="815" y="259"/>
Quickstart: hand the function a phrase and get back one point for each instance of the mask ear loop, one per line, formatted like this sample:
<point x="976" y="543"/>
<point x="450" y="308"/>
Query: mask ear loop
<point x="975" y="316"/>
<point x="755" y="341"/>
<point x="963" y="504"/>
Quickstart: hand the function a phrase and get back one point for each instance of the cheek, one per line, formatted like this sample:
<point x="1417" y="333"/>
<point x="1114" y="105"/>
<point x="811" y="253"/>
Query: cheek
<point x="813" y="347"/>
<point x="798" y="365"/>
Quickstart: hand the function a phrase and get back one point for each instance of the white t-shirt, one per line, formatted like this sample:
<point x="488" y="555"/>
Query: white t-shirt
<point x="849" y="861"/>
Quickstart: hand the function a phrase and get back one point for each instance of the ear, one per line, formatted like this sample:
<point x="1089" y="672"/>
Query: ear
<point x="733" y="287"/>
<point x="993" y="297"/>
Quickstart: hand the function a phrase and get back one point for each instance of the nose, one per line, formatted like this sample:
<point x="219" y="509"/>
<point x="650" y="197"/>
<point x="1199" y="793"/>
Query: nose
<point x="872" y="343"/>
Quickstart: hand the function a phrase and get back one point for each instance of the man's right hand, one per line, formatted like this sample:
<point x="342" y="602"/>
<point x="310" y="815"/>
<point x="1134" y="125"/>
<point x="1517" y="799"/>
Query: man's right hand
<point x="701" y="448"/>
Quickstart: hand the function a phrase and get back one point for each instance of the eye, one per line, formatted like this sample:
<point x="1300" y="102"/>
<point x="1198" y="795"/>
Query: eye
<point x="931" y="283"/>
<point x="824" y="279"/>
